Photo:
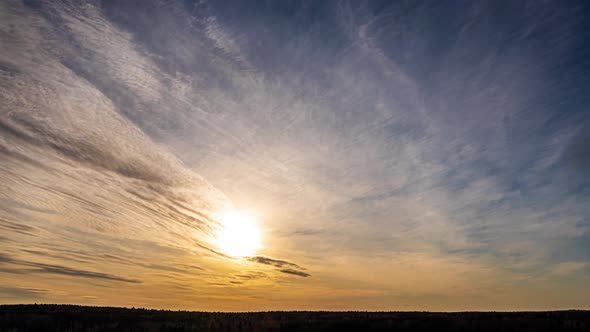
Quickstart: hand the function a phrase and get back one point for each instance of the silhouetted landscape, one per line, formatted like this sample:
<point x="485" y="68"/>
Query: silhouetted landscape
<point x="81" y="318"/>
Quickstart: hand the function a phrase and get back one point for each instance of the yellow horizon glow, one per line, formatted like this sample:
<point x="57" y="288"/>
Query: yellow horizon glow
<point x="239" y="235"/>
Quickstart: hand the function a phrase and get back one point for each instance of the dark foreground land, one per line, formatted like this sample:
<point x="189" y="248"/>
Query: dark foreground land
<point x="78" y="318"/>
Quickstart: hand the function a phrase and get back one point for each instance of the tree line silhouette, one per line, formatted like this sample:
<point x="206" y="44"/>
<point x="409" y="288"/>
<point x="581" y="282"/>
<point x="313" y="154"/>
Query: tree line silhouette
<point x="29" y="318"/>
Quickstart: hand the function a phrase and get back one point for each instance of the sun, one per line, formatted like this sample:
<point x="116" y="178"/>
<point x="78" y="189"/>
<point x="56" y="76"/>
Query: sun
<point x="239" y="235"/>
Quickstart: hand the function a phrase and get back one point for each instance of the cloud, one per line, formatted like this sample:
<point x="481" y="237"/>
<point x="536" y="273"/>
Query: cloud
<point x="20" y="292"/>
<point x="18" y="228"/>
<point x="578" y="151"/>
<point x="62" y="270"/>
<point x="295" y="272"/>
<point x="281" y="265"/>
<point x="85" y="258"/>
<point x="251" y="275"/>
<point x="211" y="250"/>
<point x="272" y="261"/>
<point x="567" y="268"/>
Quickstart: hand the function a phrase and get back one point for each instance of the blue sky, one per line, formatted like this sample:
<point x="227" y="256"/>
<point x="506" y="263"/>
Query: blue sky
<point x="400" y="155"/>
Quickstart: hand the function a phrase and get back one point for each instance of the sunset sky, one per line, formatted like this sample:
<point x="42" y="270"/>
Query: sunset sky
<point x="295" y="155"/>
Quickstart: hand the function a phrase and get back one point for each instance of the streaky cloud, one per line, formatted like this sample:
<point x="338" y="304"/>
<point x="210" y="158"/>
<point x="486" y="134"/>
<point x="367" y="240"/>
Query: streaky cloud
<point x="62" y="270"/>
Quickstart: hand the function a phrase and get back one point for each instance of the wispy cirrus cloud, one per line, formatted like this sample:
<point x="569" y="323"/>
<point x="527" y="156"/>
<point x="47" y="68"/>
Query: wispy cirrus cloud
<point x="23" y="293"/>
<point x="281" y="265"/>
<point x="37" y="267"/>
<point x="398" y="140"/>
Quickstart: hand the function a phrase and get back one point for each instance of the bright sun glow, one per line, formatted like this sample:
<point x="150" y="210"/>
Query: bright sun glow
<point x="239" y="235"/>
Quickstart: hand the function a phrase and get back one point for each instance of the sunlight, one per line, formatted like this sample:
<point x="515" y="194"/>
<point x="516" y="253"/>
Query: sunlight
<point x="239" y="235"/>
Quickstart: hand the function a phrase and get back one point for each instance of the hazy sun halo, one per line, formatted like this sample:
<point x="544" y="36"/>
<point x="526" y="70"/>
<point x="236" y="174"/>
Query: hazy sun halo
<point x="239" y="235"/>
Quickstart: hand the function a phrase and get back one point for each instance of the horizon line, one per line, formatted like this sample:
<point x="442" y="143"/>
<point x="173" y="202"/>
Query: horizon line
<point x="292" y="311"/>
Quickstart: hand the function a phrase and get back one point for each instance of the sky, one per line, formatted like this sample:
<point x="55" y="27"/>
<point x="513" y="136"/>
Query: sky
<point x="393" y="155"/>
